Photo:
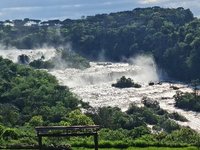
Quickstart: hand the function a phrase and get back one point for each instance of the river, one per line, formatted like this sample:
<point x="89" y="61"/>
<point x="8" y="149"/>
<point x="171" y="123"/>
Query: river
<point x="93" y="85"/>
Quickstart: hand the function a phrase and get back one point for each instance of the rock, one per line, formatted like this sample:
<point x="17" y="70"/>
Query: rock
<point x="174" y="87"/>
<point x="23" y="59"/>
<point x="151" y="83"/>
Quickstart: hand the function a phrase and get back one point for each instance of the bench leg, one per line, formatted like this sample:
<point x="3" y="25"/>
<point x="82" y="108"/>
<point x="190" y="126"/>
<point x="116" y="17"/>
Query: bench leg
<point x="96" y="141"/>
<point x="40" y="142"/>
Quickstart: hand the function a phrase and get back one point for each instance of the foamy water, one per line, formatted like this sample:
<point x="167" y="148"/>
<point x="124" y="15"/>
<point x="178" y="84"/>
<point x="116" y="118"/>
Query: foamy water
<point x="32" y="54"/>
<point x="93" y="85"/>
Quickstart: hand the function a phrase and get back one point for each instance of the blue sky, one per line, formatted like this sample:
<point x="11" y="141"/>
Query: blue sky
<point x="62" y="9"/>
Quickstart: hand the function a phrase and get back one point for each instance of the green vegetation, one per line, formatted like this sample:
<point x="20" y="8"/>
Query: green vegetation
<point x="26" y="93"/>
<point x="30" y="98"/>
<point x="148" y="148"/>
<point x="40" y="64"/>
<point x="188" y="101"/>
<point x="124" y="82"/>
<point x="170" y="35"/>
<point x="130" y="128"/>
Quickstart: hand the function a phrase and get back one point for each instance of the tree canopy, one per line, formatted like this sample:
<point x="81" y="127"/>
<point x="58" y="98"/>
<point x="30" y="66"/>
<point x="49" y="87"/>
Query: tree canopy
<point x="26" y="93"/>
<point x="30" y="98"/>
<point x="171" y="35"/>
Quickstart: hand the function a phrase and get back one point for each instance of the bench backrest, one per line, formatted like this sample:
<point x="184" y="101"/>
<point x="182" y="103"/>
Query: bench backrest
<point x="67" y="129"/>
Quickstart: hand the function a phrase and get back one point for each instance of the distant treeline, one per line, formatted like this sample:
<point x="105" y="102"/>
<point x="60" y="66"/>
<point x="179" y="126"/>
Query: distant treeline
<point x="170" y="35"/>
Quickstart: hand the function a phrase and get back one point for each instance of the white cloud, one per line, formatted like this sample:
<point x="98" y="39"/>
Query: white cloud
<point x="183" y="3"/>
<point x="77" y="5"/>
<point x="107" y="3"/>
<point x="19" y="9"/>
<point x="148" y="1"/>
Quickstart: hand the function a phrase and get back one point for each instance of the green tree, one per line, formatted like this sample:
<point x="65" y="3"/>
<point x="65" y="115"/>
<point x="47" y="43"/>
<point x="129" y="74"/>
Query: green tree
<point x="77" y="118"/>
<point x="36" y="121"/>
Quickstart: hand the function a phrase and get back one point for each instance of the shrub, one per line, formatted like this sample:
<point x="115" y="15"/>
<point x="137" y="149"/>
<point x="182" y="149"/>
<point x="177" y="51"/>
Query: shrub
<point x="9" y="134"/>
<point x="124" y="82"/>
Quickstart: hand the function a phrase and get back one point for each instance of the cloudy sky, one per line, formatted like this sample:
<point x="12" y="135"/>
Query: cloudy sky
<point x="62" y="9"/>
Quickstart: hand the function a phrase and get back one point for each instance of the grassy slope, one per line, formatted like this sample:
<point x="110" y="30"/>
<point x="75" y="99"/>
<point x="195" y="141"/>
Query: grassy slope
<point x="148" y="148"/>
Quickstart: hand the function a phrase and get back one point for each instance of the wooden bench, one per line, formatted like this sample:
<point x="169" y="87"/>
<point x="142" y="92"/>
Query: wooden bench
<point x="66" y="131"/>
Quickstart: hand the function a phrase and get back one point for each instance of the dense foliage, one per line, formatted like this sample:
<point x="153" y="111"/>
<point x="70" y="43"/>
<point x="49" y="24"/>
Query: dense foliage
<point x="142" y="126"/>
<point x="27" y="94"/>
<point x="171" y="35"/>
<point x="29" y="97"/>
<point x="187" y="101"/>
<point x="124" y="82"/>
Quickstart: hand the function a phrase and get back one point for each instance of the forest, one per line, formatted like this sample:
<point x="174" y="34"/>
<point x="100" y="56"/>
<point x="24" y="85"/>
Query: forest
<point x="30" y="97"/>
<point x="170" y="35"/>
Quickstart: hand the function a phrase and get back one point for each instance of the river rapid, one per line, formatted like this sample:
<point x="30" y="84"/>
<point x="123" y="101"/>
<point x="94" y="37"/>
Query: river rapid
<point x="93" y="84"/>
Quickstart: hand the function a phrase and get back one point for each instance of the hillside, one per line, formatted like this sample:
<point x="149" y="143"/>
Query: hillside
<point x="26" y="93"/>
<point x="30" y="97"/>
<point x="170" y="35"/>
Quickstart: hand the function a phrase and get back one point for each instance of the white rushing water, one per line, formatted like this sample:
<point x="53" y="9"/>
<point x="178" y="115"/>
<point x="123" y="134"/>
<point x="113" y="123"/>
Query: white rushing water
<point x="32" y="54"/>
<point x="93" y="85"/>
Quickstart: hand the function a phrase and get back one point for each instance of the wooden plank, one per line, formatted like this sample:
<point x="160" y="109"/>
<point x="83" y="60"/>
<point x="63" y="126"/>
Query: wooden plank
<point x="40" y="142"/>
<point x="66" y="127"/>
<point x="66" y="131"/>
<point x="96" y="141"/>
<point x="70" y="134"/>
<point x="67" y="135"/>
